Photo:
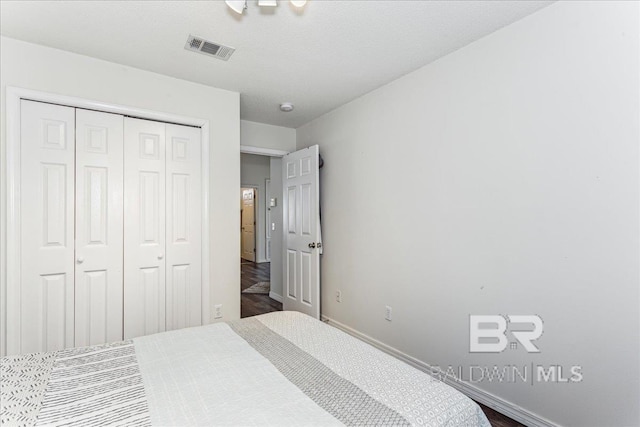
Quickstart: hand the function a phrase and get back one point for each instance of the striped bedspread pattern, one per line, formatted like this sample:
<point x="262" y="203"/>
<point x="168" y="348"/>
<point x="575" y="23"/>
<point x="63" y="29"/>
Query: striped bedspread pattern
<point x="88" y="386"/>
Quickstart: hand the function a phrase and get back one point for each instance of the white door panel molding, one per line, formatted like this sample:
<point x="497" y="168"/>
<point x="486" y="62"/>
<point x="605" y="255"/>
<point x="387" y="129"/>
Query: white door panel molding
<point x="45" y="293"/>
<point x="99" y="227"/>
<point x="301" y="225"/>
<point x="184" y="227"/>
<point x="144" y="227"/>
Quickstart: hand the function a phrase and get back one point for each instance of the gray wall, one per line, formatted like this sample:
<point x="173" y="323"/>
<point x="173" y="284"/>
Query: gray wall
<point x="501" y="179"/>
<point x="276" y="235"/>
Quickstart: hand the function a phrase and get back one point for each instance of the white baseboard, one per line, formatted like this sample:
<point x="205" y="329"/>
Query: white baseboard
<point x="504" y="407"/>
<point x="275" y="296"/>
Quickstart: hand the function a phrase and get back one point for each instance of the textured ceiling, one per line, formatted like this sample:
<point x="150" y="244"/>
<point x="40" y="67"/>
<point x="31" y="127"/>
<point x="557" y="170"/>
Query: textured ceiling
<point x="319" y="58"/>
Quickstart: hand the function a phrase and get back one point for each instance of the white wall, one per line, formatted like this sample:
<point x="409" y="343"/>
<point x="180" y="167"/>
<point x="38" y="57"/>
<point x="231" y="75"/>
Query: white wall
<point x="267" y="136"/>
<point x="40" y="68"/>
<point x="254" y="171"/>
<point x="277" y="270"/>
<point x="501" y="179"/>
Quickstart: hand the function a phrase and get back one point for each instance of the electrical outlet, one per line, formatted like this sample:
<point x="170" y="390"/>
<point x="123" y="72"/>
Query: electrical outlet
<point x="387" y="313"/>
<point x="338" y="296"/>
<point x="217" y="311"/>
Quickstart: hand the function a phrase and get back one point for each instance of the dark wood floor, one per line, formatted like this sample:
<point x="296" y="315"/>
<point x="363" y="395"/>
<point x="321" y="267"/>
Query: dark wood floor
<point x="497" y="419"/>
<point x="253" y="304"/>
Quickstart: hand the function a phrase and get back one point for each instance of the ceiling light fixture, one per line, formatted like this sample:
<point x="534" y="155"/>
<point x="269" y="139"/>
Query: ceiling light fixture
<point x="239" y="6"/>
<point x="286" y="107"/>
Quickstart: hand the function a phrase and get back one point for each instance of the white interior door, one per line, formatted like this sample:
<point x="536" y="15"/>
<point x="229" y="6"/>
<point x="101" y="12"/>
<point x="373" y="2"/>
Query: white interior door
<point x="99" y="228"/>
<point x="301" y="224"/>
<point x="144" y="227"/>
<point x="184" y="228"/>
<point x="47" y="224"/>
<point x="248" y="223"/>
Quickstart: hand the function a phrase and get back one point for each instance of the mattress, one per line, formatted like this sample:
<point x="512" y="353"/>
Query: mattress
<point x="277" y="369"/>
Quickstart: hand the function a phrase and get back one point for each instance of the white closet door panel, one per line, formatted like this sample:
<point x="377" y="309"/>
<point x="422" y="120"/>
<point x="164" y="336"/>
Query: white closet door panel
<point x="184" y="227"/>
<point x="144" y="227"/>
<point x="46" y="234"/>
<point x="99" y="227"/>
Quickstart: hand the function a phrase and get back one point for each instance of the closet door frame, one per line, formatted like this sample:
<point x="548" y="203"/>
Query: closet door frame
<point x="10" y="295"/>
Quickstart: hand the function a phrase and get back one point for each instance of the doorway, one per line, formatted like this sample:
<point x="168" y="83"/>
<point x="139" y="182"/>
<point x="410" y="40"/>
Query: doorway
<point x="260" y="241"/>
<point x="248" y="224"/>
<point x="300" y="198"/>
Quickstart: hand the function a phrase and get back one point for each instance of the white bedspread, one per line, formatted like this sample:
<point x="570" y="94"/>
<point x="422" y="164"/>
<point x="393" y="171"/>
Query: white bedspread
<point x="212" y="376"/>
<point x="277" y="369"/>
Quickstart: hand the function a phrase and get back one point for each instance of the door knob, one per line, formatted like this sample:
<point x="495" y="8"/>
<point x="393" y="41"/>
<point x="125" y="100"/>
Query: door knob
<point x="312" y="245"/>
<point x="80" y="260"/>
<point x="160" y="256"/>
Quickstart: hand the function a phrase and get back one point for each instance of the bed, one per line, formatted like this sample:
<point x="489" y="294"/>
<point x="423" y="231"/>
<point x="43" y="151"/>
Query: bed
<point x="277" y="369"/>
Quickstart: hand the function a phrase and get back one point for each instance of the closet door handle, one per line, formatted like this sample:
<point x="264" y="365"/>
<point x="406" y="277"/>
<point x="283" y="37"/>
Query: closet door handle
<point x="160" y="256"/>
<point x="80" y="260"/>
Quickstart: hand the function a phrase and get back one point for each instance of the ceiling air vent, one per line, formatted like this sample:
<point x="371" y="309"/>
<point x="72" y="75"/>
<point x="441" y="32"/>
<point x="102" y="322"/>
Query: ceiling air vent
<point x="200" y="45"/>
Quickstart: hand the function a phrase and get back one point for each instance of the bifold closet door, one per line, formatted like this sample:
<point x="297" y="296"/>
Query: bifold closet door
<point x="47" y="209"/>
<point x="184" y="227"/>
<point x="110" y="228"/>
<point x="144" y="227"/>
<point x="99" y="227"/>
<point x="163" y="227"/>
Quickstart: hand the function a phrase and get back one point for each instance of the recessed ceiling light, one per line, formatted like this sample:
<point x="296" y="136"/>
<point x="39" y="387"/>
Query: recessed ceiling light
<point x="286" y="107"/>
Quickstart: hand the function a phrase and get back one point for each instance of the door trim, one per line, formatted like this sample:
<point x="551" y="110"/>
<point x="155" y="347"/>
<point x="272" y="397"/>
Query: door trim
<point x="267" y="219"/>
<point x="247" y="149"/>
<point x="256" y="209"/>
<point x="13" y="97"/>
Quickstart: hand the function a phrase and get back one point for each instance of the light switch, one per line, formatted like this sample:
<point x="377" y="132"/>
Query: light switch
<point x="273" y="202"/>
<point x="273" y="226"/>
